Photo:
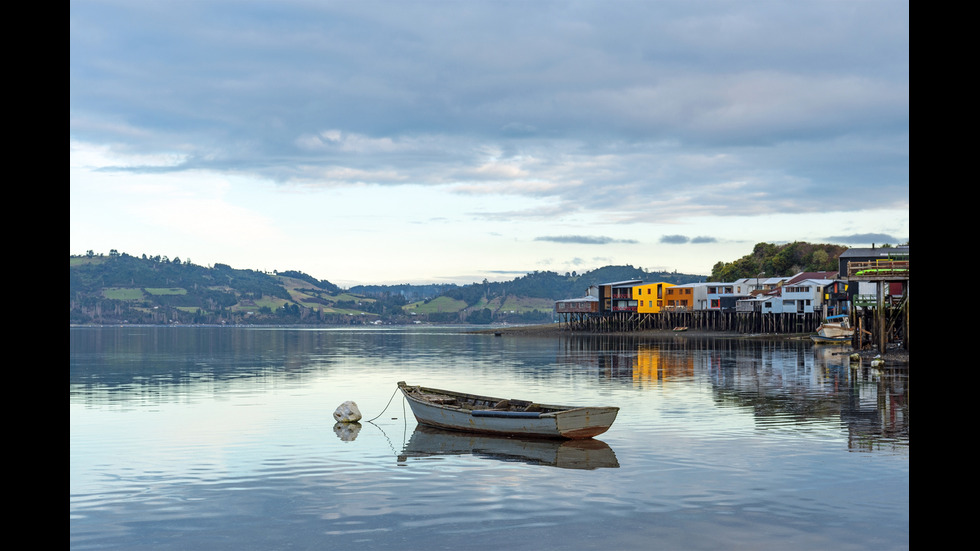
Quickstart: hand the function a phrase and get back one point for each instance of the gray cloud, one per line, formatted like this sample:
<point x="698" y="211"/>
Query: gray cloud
<point x="508" y="272"/>
<point x="866" y="238"/>
<point x="649" y="109"/>
<point x="583" y="239"/>
<point x="703" y="239"/>
<point x="683" y="239"/>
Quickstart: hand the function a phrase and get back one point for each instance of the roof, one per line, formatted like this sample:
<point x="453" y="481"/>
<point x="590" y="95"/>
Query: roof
<point x="816" y="281"/>
<point x="626" y="282"/>
<point x="876" y="251"/>
<point x="831" y="274"/>
<point x="580" y="299"/>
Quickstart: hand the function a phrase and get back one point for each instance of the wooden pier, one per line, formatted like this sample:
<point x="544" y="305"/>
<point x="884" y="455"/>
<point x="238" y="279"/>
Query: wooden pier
<point x="706" y="320"/>
<point x="884" y="320"/>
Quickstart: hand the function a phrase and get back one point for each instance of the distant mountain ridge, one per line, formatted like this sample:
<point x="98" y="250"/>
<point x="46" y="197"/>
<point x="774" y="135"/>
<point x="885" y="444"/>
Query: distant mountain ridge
<point x="544" y="284"/>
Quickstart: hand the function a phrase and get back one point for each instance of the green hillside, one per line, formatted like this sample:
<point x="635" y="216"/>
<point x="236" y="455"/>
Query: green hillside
<point x="120" y="289"/>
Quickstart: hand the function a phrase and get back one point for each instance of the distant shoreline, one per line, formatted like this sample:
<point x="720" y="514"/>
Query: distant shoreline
<point x="896" y="355"/>
<point x="550" y="329"/>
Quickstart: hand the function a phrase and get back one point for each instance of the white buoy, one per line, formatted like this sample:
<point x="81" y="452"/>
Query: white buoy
<point x="347" y="413"/>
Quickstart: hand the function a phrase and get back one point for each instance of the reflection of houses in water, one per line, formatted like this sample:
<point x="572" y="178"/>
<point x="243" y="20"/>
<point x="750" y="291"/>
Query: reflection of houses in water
<point x="624" y="357"/>
<point x="790" y="383"/>
<point x="612" y="357"/>
<point x="785" y="384"/>
<point x="877" y="412"/>
<point x="655" y="363"/>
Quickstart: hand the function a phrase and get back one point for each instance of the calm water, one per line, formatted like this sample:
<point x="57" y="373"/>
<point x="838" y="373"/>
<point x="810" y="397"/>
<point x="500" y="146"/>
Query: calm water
<point x="223" y="438"/>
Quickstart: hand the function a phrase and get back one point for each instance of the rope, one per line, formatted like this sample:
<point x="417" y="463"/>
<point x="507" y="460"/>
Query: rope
<point x="390" y="445"/>
<point x="386" y="405"/>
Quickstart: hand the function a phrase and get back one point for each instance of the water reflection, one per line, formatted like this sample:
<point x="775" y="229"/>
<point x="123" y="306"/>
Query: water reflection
<point x="428" y="442"/>
<point x="877" y="409"/>
<point x="347" y="432"/>
<point x="184" y="437"/>
<point x="784" y="382"/>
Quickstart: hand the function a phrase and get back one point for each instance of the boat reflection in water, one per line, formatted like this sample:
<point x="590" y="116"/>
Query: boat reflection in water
<point x="566" y="454"/>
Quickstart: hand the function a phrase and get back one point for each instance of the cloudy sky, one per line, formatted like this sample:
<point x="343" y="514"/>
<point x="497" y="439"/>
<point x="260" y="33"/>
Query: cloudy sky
<point x="394" y="142"/>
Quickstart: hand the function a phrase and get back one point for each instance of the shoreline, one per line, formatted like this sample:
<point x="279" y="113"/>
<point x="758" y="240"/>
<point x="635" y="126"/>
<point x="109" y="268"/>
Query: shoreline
<point x="551" y="329"/>
<point x="893" y="354"/>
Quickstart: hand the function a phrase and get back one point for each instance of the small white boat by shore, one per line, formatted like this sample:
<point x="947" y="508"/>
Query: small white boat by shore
<point x="834" y="331"/>
<point x="452" y="410"/>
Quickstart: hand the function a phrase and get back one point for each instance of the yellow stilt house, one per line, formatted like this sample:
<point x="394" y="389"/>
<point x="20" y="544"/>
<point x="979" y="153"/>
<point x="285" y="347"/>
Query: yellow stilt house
<point x="650" y="297"/>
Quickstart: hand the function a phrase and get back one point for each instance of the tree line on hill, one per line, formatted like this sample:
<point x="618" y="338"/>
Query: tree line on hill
<point x="779" y="260"/>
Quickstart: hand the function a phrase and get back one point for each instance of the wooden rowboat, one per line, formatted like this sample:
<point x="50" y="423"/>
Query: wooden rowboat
<point x="451" y="410"/>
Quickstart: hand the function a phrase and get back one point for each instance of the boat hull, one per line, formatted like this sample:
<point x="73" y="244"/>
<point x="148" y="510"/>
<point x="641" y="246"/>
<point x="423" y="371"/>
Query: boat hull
<point x="819" y="339"/>
<point x="833" y="333"/>
<point x="584" y="422"/>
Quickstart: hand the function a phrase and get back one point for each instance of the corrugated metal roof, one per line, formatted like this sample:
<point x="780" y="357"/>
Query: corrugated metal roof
<point x="626" y="282"/>
<point x="581" y="299"/>
<point x="877" y="251"/>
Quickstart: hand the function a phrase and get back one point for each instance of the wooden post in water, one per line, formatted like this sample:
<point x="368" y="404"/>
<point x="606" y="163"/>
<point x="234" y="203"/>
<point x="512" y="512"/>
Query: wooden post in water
<point x="882" y="320"/>
<point x="906" y="329"/>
